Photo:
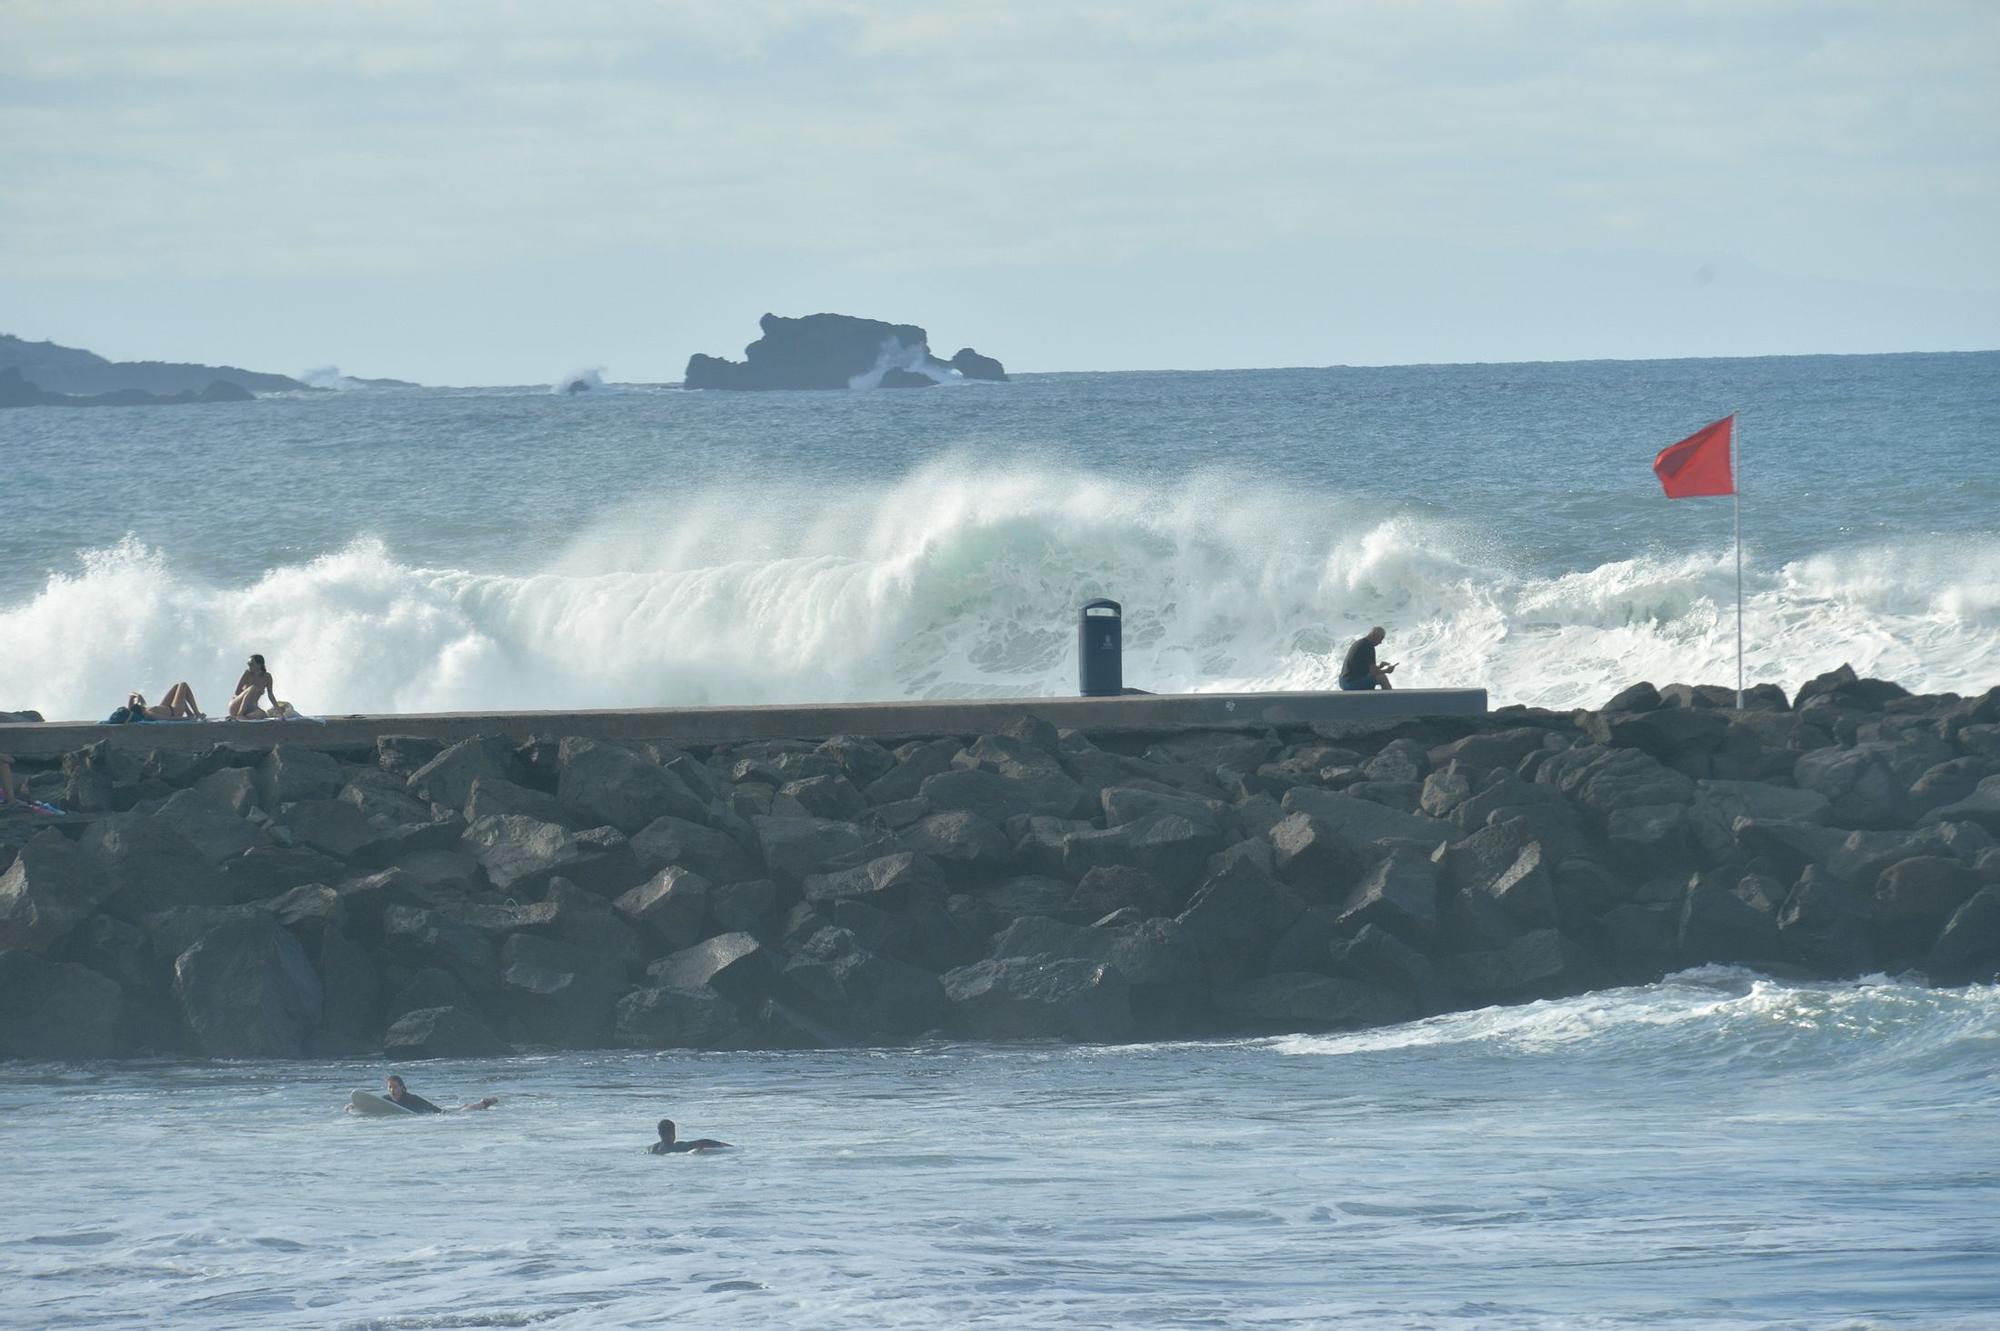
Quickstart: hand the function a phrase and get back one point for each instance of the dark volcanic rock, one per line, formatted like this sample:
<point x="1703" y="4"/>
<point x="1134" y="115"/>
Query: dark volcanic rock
<point x="57" y="1009"/>
<point x="736" y="966"/>
<point x="49" y="889"/>
<point x="442" y="1032"/>
<point x="836" y="351"/>
<point x="1016" y="998"/>
<point x="603" y="784"/>
<point x="661" y="1018"/>
<point x="1291" y="1001"/>
<point x="246" y="990"/>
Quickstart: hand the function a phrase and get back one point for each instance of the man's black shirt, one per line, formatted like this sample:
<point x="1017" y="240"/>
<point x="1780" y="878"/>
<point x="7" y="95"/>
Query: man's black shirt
<point x="1360" y="663"/>
<point x="417" y="1103"/>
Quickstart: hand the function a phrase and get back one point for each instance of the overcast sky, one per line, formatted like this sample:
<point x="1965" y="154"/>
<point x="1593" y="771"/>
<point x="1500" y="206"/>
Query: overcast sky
<point x="500" y="193"/>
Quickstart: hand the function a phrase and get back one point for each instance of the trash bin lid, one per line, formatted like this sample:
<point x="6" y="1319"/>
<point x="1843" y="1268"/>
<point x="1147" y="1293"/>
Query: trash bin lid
<point x="1102" y="606"/>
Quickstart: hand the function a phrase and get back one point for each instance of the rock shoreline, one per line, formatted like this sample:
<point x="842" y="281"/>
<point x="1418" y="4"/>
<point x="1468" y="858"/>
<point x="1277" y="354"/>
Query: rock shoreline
<point x="414" y="899"/>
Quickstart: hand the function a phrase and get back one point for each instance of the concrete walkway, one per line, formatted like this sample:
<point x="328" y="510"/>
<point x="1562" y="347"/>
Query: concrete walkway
<point x="891" y="722"/>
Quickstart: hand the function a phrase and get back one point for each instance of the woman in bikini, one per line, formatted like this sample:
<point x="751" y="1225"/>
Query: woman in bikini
<point x="255" y="684"/>
<point x="178" y="705"/>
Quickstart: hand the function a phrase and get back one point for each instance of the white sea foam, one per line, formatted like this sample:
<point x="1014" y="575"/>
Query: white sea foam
<point x="964" y="582"/>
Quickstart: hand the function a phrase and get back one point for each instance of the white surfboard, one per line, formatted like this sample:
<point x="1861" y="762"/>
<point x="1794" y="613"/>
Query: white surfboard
<point x="375" y="1106"/>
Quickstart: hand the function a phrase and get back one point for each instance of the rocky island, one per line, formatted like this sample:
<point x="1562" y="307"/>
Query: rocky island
<point x="827" y="351"/>
<point x="414" y="898"/>
<point x="44" y="374"/>
<point x="18" y="392"/>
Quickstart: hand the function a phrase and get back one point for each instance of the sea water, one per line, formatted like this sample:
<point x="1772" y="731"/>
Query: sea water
<point x="461" y="549"/>
<point x="1719" y="1150"/>
<point x="1716" y="1151"/>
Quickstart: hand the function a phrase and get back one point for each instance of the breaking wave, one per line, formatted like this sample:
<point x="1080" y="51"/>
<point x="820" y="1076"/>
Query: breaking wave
<point x="957" y="583"/>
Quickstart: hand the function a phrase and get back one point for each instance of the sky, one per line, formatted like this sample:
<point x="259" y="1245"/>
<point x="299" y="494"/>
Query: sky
<point x="503" y="193"/>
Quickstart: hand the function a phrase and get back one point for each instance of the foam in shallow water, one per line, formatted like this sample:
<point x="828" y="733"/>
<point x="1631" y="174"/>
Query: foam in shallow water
<point x="1719" y="1150"/>
<point x="961" y="581"/>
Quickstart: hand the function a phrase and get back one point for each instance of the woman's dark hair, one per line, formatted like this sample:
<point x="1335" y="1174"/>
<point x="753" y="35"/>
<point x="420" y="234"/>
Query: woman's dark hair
<point x="256" y="660"/>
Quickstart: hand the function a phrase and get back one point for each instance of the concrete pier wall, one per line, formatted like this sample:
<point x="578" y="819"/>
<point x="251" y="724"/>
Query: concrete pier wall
<point x="890" y="722"/>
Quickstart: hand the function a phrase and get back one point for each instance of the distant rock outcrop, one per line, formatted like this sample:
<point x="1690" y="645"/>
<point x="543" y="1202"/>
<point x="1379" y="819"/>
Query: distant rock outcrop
<point x="71" y="370"/>
<point x="838" y="351"/>
<point x="16" y="391"/>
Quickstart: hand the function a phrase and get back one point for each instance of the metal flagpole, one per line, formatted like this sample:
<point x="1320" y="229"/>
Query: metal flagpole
<point x="1736" y="501"/>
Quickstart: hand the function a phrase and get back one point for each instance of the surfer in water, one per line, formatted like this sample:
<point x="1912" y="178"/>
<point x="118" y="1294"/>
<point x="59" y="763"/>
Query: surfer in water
<point x="393" y="1088"/>
<point x="666" y="1145"/>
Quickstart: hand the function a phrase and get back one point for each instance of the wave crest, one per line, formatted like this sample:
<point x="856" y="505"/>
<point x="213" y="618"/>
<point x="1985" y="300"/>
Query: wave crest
<point x="962" y="581"/>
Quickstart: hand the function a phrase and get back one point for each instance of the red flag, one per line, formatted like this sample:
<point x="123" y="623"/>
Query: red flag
<point x="1699" y="464"/>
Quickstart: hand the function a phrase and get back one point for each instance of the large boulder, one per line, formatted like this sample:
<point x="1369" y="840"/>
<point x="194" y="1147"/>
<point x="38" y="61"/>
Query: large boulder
<point x="1967" y="950"/>
<point x="1386" y="962"/>
<point x="351" y="988"/>
<point x="1359" y="824"/>
<point x="1235" y="918"/>
<point x="1718" y="804"/>
<point x="247" y="990"/>
<point x="603" y="784"/>
<point x="1118" y="887"/>
<point x="671" y="906"/>
<point x="959" y="838"/>
<point x="1296" y="1001"/>
<point x="212" y="828"/>
<point x="887" y="882"/>
<point x="442" y="1032"/>
<point x="331" y="826"/>
<point x="446" y="780"/>
<point x="289" y="774"/>
<point x="1828" y="925"/>
<point x="713" y="854"/>
<point x="1667" y="733"/>
<point x="1601" y="780"/>
<point x="857" y="987"/>
<point x="151" y="867"/>
<point x="519" y="853"/>
<point x="58" y="1010"/>
<point x="1914" y="898"/>
<point x="663" y="1018"/>
<point x="1169" y="846"/>
<point x="1859" y="783"/>
<point x="1542" y="963"/>
<point x="915" y="763"/>
<point x="826" y="796"/>
<point x="795" y="848"/>
<point x="996" y="795"/>
<point x="1026" y="998"/>
<point x="1728" y="920"/>
<point x="1159" y="958"/>
<point x="50" y="889"/>
<point x="496" y="795"/>
<point x="736" y="966"/>
<point x="420" y="938"/>
<point x="558" y="993"/>
<point x="1400" y="895"/>
<point x="1982" y="806"/>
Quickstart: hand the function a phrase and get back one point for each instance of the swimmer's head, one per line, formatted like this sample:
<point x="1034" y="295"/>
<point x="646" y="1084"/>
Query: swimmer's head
<point x="667" y="1131"/>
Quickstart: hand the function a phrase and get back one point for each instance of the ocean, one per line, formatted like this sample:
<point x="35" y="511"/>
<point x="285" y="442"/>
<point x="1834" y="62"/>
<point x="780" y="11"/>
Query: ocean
<point x="515" y="548"/>
<point x="1717" y="1151"/>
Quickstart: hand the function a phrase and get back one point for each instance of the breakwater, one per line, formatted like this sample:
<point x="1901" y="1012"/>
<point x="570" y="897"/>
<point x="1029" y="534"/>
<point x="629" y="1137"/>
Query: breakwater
<point x="418" y="894"/>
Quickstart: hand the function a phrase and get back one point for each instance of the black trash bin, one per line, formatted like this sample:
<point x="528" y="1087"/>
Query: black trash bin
<point x="1100" y="649"/>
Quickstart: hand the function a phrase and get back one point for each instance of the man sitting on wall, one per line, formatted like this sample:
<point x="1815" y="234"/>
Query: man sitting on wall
<point x="1359" y="670"/>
